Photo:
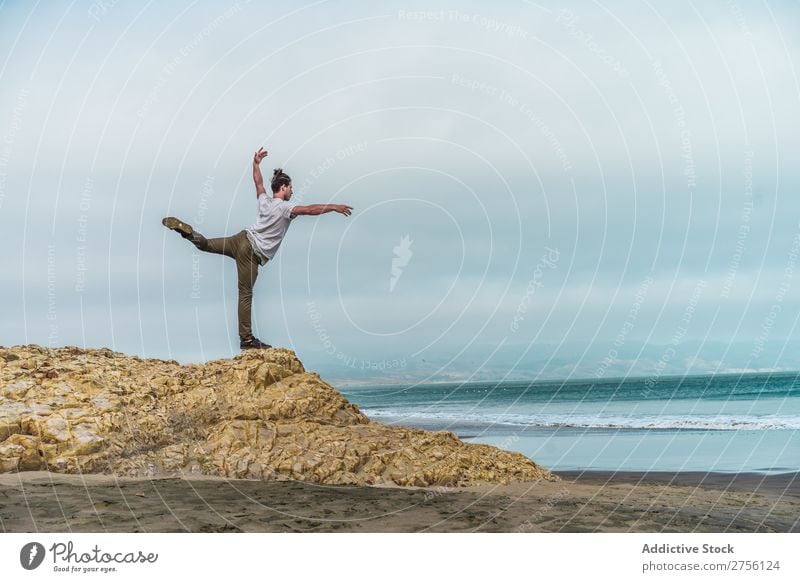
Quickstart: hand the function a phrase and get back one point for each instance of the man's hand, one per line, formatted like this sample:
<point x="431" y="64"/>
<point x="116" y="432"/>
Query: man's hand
<point x="259" y="155"/>
<point x="343" y="209"/>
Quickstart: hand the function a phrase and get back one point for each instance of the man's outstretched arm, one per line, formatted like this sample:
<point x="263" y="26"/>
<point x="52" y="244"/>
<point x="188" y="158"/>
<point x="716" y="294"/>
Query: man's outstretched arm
<point x="314" y="209"/>
<point x="257" y="177"/>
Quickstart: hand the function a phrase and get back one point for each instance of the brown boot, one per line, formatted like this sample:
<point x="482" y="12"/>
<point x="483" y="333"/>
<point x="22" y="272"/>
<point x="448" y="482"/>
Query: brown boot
<point x="172" y="223"/>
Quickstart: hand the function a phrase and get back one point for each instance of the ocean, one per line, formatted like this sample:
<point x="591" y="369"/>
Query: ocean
<point x="725" y="423"/>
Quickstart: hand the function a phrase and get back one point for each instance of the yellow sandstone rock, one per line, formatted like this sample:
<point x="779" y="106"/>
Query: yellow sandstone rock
<point x="258" y="415"/>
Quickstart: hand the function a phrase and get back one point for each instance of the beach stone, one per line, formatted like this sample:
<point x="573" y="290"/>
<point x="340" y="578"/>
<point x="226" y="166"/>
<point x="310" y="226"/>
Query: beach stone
<point x="259" y="415"/>
<point x="16" y="390"/>
<point x="8" y="355"/>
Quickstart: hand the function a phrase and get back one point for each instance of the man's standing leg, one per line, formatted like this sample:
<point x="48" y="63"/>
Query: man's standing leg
<point x="247" y="270"/>
<point x="238" y="247"/>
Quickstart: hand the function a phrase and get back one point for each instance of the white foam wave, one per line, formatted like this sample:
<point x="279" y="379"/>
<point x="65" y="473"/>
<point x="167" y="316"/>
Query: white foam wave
<point x="663" y="422"/>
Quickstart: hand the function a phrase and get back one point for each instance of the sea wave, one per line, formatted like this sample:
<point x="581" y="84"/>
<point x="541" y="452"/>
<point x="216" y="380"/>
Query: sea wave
<point x="717" y="388"/>
<point x="450" y="419"/>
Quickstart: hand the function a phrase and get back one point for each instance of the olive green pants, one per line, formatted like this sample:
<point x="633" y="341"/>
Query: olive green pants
<point x="239" y="249"/>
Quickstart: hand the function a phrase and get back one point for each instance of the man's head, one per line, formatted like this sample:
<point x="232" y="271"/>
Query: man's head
<point x="281" y="184"/>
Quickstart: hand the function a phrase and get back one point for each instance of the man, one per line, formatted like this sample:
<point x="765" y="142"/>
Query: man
<point x="258" y="244"/>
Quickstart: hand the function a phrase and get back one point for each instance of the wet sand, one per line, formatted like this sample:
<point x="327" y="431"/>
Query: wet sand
<point x="581" y="502"/>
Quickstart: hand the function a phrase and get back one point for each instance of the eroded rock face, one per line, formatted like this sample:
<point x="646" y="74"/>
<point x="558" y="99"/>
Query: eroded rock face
<point x="259" y="415"/>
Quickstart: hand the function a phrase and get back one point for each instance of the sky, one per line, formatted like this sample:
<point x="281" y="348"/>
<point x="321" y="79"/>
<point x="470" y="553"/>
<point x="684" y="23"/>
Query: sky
<point x="540" y="189"/>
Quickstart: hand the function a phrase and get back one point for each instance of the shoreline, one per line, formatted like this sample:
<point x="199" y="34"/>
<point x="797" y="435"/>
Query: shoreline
<point x="788" y="482"/>
<point x="583" y="501"/>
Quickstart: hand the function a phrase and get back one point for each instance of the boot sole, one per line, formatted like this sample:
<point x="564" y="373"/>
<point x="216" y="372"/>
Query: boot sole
<point x="173" y="223"/>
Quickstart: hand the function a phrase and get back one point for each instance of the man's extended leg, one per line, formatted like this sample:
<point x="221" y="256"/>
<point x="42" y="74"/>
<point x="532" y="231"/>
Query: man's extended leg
<point x="221" y="246"/>
<point x="225" y="245"/>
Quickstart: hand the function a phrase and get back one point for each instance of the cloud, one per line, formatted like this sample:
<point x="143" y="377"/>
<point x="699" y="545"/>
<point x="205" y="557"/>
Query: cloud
<point x="651" y="143"/>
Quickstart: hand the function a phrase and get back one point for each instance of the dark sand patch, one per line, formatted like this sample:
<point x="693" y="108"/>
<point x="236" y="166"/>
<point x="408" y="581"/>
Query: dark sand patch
<point x="585" y="502"/>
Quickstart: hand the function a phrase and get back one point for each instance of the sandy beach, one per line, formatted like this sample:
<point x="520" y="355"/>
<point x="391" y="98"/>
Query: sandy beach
<point x="580" y="502"/>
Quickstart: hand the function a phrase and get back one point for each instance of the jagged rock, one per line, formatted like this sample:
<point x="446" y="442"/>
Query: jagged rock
<point x="259" y="415"/>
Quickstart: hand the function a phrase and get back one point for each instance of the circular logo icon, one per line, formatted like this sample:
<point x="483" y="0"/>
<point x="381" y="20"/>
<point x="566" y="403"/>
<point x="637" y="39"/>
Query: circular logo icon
<point x="31" y="555"/>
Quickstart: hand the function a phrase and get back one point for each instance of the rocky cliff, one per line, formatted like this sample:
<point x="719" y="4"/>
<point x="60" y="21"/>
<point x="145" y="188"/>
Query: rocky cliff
<point x="259" y="415"/>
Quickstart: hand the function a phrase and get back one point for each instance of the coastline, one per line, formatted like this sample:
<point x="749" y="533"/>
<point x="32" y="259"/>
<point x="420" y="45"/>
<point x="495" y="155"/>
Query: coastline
<point x="775" y="484"/>
<point x="588" y="501"/>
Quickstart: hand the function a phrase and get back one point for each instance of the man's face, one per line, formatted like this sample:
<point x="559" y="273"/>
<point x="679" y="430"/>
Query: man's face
<point x="287" y="191"/>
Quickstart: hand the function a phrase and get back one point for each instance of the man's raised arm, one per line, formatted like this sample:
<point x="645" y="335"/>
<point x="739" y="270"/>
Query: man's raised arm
<point x="257" y="177"/>
<point x="314" y="209"/>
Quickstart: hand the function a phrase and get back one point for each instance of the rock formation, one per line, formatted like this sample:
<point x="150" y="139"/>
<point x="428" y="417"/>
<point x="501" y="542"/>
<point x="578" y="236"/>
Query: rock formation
<point x="259" y="415"/>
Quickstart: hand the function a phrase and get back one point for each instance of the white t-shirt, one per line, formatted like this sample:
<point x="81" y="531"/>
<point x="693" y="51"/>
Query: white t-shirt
<point x="274" y="218"/>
